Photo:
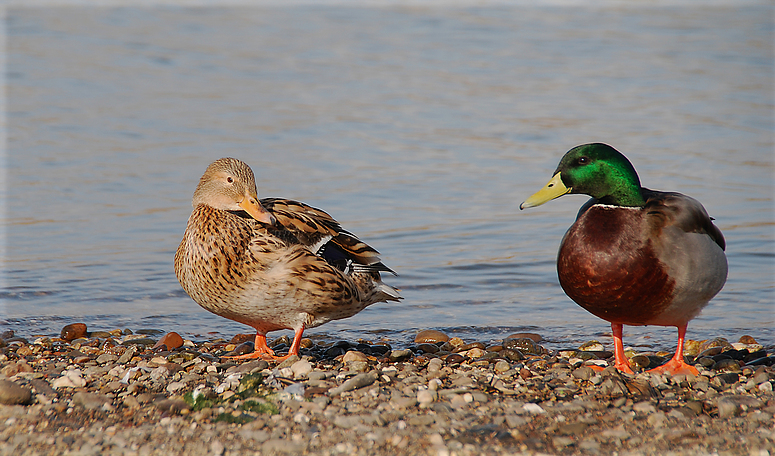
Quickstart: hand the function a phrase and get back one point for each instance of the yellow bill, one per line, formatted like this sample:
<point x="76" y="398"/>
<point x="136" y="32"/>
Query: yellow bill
<point x="251" y="205"/>
<point x="554" y="189"/>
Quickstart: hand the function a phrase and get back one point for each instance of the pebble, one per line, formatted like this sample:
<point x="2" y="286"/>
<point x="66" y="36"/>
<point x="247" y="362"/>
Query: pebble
<point x="73" y="331"/>
<point x="301" y="369"/>
<point x="354" y="355"/>
<point x="492" y="397"/>
<point x="592" y="345"/>
<point x="526" y="335"/>
<point x="430" y="336"/>
<point x="359" y="381"/>
<point x="171" y="341"/>
<point x="397" y="355"/>
<point x="425" y="397"/>
<point x="91" y="401"/>
<point x="14" y="394"/>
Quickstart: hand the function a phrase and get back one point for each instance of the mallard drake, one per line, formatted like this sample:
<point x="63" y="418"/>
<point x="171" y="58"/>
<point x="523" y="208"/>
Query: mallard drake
<point x="272" y="263"/>
<point x="634" y="256"/>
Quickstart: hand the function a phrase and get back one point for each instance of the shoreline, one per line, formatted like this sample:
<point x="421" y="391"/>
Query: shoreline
<point x="135" y="394"/>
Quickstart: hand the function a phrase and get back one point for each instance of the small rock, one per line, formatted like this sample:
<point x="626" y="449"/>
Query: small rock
<point x="430" y="336"/>
<point x="134" y="340"/>
<point x="435" y="365"/>
<point x="583" y="373"/>
<point x="524" y="345"/>
<point x="592" y="345"/>
<point x="275" y="446"/>
<point x="91" y="401"/>
<point x="242" y="338"/>
<point x="354" y="355"/>
<point x="691" y="347"/>
<point x="526" y="335"/>
<point x="590" y="445"/>
<point x="534" y="409"/>
<point x="428" y="348"/>
<point x="730" y="378"/>
<point x="217" y="448"/>
<point x="288" y="362"/>
<point x="398" y="355"/>
<point x="618" y="434"/>
<point x="456" y="342"/>
<point x="714" y="343"/>
<point x="474" y="353"/>
<point x="454" y="358"/>
<point x="73" y="331"/>
<point x="174" y="387"/>
<point x="127" y="356"/>
<point x="359" y="381"/>
<point x="174" y="406"/>
<point x="71" y="379"/>
<point x="301" y="368"/>
<point x="729" y="406"/>
<point x="657" y="419"/>
<point x="425" y="397"/>
<point x="511" y="355"/>
<point x="106" y="358"/>
<point x="514" y="421"/>
<point x="171" y="340"/>
<point x="644" y="407"/>
<point x="640" y="361"/>
<point x="726" y="365"/>
<point x="748" y="340"/>
<point x="576" y="428"/>
<point x="562" y="442"/>
<point x="502" y="366"/>
<point x="14" y="394"/>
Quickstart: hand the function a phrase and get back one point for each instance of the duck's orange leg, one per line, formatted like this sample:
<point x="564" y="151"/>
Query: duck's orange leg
<point x="262" y="350"/>
<point x="621" y="362"/>
<point x="677" y="365"/>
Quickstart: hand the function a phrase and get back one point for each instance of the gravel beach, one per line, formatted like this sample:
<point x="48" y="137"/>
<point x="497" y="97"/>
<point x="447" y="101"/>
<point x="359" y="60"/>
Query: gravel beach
<point x="147" y="392"/>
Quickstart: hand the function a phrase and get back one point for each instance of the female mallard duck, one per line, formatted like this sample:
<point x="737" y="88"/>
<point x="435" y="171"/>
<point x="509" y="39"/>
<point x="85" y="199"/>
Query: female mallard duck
<point x="634" y="256"/>
<point x="272" y="264"/>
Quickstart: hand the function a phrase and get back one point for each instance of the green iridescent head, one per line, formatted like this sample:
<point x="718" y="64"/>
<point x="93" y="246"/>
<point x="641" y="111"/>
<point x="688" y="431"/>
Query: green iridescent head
<point x="597" y="170"/>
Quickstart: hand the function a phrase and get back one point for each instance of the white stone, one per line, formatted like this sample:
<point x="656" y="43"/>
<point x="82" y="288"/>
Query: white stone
<point x="301" y="369"/>
<point x="533" y="408"/>
<point x="173" y="387"/>
<point x="425" y="397"/>
<point x="71" y="379"/>
<point x="644" y="407"/>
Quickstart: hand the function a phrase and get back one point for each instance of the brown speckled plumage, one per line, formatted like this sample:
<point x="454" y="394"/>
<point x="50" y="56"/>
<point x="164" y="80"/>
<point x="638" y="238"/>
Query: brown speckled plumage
<point x="297" y="269"/>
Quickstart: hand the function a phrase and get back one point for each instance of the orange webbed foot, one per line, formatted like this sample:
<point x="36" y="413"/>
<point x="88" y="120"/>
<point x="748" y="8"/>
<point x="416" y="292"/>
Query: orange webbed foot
<point x="675" y="367"/>
<point x="624" y="366"/>
<point x="257" y="355"/>
<point x="267" y="354"/>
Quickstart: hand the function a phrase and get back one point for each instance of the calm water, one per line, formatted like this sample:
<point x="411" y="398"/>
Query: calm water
<point x="421" y="129"/>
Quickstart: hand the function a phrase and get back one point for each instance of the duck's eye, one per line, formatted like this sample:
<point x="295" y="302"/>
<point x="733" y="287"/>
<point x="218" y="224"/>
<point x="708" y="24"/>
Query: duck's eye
<point x="230" y="180"/>
<point x="583" y="160"/>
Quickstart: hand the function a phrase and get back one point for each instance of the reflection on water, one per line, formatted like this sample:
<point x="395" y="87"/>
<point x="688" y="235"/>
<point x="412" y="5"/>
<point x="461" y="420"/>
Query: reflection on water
<point x="420" y="129"/>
